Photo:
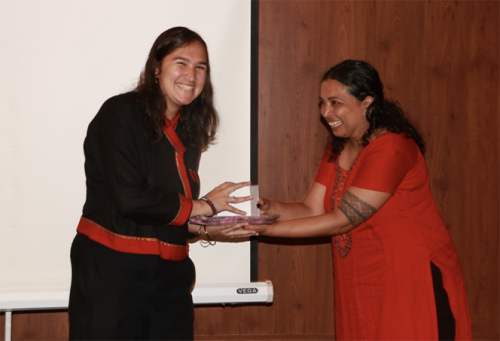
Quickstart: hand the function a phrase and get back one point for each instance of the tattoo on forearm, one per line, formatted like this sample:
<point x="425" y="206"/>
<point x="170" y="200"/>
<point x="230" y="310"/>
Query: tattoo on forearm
<point x="355" y="209"/>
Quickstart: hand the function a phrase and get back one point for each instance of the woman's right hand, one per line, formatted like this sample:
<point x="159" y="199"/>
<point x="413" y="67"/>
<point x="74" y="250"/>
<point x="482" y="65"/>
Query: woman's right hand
<point x="312" y="205"/>
<point x="265" y="207"/>
<point x="221" y="196"/>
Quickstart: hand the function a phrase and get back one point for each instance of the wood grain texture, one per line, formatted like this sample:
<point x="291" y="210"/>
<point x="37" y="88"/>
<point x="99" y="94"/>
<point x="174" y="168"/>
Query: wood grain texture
<point x="450" y="89"/>
<point x="37" y="325"/>
<point x="291" y="141"/>
<point x="440" y="60"/>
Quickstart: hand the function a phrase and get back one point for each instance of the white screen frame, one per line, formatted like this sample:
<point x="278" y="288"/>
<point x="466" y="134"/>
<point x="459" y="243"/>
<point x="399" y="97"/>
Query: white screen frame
<point x="60" y="60"/>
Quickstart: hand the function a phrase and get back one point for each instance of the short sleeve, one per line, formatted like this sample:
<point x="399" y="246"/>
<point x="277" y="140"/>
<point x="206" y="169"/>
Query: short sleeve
<point x="322" y="176"/>
<point x="386" y="162"/>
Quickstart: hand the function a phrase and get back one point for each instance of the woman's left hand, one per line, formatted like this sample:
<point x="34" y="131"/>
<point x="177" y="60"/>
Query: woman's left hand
<point x="259" y="229"/>
<point x="231" y="231"/>
<point x="222" y="232"/>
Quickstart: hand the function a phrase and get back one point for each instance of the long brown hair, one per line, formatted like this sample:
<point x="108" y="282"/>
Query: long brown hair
<point x="199" y="120"/>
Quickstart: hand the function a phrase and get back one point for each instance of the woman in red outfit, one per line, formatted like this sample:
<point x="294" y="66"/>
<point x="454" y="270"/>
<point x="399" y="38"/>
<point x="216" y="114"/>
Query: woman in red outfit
<point x="397" y="274"/>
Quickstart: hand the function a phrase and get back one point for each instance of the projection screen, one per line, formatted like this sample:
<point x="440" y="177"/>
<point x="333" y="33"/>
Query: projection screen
<point x="60" y="60"/>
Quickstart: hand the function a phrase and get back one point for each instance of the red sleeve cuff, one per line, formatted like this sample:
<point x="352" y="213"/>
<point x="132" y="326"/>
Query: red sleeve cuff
<point x="186" y="205"/>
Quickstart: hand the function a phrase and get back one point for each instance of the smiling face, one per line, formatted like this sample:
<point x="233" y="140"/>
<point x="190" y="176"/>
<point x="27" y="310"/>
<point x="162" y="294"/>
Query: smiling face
<point x="182" y="76"/>
<point x="343" y="112"/>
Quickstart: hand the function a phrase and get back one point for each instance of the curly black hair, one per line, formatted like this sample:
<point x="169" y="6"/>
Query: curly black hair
<point x="362" y="80"/>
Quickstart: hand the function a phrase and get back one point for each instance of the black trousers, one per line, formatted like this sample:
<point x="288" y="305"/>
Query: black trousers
<point x="446" y="321"/>
<point x="122" y="296"/>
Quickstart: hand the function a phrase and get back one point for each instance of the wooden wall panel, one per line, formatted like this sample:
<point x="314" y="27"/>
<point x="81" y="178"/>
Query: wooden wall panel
<point x="440" y="60"/>
<point x="37" y="325"/>
<point x="449" y="84"/>
<point x="291" y="141"/>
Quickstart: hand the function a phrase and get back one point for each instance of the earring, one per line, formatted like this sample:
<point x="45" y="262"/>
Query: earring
<point x="156" y="79"/>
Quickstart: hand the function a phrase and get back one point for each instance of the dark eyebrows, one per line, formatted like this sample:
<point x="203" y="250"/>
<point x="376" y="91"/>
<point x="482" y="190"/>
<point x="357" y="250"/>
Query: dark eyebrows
<point x="329" y="99"/>
<point x="182" y="58"/>
<point x="187" y="60"/>
<point x="333" y="98"/>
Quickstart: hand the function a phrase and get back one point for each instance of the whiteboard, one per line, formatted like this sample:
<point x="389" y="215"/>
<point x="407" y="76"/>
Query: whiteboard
<point x="59" y="61"/>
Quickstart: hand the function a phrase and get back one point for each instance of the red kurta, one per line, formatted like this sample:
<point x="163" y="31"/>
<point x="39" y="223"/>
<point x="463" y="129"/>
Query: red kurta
<point x="382" y="274"/>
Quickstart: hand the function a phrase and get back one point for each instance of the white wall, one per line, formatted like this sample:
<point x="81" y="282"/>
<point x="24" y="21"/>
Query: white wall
<point x="59" y="61"/>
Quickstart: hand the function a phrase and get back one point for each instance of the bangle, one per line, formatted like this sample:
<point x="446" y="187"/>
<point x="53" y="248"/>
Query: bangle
<point x="206" y="233"/>
<point x="212" y="205"/>
<point x="205" y="243"/>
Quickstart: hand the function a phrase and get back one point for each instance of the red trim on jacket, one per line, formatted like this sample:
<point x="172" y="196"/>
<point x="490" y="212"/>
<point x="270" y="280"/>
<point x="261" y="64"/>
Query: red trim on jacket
<point x="184" y="211"/>
<point x="169" y="129"/>
<point x="130" y="244"/>
<point x="181" y="167"/>
<point x="186" y="199"/>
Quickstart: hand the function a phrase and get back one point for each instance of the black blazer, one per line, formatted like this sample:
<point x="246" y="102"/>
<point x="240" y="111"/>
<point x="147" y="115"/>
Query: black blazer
<point x="136" y="191"/>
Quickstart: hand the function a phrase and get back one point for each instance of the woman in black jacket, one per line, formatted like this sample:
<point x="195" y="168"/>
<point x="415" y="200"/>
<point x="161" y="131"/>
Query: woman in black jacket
<point x="131" y="274"/>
